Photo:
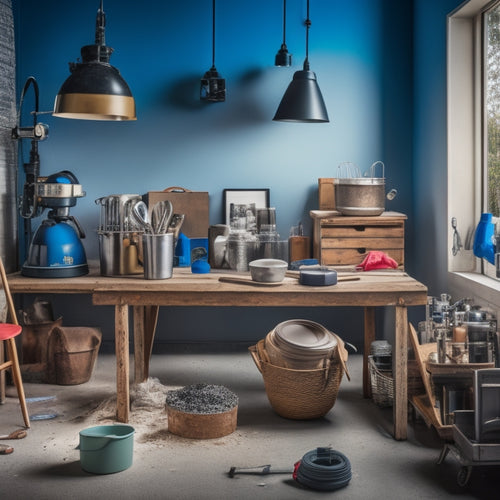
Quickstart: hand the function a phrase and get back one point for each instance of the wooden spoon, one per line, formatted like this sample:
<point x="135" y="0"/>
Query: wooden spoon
<point x="18" y="434"/>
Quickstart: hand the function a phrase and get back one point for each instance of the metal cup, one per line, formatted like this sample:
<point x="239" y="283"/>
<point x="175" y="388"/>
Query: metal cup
<point x="158" y="255"/>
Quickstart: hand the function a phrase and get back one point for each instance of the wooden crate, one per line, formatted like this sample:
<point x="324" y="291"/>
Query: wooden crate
<point x="346" y="240"/>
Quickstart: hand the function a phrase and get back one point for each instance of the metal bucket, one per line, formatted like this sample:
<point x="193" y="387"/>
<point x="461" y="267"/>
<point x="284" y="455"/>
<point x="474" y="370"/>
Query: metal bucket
<point x="106" y="449"/>
<point x="357" y="195"/>
<point x="363" y="196"/>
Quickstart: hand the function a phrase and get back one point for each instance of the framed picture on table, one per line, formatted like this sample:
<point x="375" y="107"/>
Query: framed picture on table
<point x="237" y="202"/>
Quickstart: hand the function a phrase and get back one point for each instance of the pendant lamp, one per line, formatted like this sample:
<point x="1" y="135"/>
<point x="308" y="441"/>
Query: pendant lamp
<point x="302" y="101"/>
<point x="213" y="87"/>
<point x="95" y="90"/>
<point x="283" y="58"/>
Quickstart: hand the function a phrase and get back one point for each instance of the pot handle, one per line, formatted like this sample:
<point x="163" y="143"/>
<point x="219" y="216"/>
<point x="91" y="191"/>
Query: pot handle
<point x="391" y="194"/>
<point x="374" y="166"/>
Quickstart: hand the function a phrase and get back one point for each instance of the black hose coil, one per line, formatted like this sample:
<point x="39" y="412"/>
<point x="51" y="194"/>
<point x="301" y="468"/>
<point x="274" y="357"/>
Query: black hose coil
<point x="323" y="469"/>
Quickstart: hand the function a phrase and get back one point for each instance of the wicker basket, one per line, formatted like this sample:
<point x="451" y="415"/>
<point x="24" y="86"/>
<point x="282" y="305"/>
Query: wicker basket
<point x="382" y="385"/>
<point x="299" y="394"/>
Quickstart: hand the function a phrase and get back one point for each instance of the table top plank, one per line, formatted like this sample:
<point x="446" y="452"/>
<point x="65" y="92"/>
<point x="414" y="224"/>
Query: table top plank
<point x="187" y="289"/>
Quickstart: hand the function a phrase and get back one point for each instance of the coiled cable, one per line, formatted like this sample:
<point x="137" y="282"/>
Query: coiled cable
<point x="323" y="469"/>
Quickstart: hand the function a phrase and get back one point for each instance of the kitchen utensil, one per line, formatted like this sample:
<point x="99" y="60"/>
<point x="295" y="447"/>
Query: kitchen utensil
<point x="247" y="281"/>
<point x="268" y="270"/>
<point x="161" y="216"/>
<point x="176" y="224"/>
<point x="17" y="434"/>
<point x="140" y="214"/>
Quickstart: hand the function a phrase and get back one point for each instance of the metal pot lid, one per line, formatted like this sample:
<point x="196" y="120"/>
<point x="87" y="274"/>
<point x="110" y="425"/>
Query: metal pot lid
<point x="304" y="334"/>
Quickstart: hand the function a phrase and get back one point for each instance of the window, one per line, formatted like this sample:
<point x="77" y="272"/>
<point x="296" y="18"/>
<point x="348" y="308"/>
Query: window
<point x="491" y="61"/>
<point x="473" y="142"/>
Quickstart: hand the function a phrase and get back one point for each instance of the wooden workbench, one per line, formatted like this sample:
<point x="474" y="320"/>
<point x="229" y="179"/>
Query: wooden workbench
<point x="373" y="289"/>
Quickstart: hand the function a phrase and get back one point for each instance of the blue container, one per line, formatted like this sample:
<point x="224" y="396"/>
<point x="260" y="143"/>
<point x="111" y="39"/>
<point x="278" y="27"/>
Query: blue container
<point x="484" y="239"/>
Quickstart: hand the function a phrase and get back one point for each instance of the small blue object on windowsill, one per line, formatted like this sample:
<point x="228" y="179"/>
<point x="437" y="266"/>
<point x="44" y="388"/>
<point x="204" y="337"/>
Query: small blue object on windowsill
<point x="484" y="239"/>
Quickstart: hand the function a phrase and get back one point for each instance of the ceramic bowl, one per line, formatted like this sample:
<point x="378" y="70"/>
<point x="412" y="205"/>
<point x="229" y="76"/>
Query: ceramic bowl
<point x="268" y="270"/>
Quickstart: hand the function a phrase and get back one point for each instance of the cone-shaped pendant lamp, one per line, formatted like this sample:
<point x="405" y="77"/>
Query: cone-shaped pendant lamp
<point x="95" y="90"/>
<point x="302" y="101"/>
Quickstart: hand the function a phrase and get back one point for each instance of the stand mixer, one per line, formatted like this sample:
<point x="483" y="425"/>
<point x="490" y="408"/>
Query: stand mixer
<point x="56" y="250"/>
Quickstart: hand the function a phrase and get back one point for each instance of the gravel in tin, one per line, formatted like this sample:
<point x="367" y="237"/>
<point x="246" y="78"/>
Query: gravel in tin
<point x="202" y="399"/>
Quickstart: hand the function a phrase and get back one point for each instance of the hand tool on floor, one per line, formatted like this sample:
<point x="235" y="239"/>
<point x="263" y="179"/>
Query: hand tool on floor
<point x="17" y="434"/>
<point x="261" y="470"/>
<point x="5" y="449"/>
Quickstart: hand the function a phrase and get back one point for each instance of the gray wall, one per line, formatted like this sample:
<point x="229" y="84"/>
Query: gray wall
<point x="8" y="148"/>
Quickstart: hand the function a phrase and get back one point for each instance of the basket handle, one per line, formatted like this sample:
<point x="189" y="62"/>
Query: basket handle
<point x="253" y="352"/>
<point x="343" y="355"/>
<point x="176" y="189"/>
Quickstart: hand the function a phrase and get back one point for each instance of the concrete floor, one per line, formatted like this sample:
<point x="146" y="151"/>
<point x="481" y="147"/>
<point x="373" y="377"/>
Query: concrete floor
<point x="45" y="464"/>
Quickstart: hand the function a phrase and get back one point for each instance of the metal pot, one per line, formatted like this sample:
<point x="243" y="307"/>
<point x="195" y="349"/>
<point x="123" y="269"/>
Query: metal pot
<point x="358" y="195"/>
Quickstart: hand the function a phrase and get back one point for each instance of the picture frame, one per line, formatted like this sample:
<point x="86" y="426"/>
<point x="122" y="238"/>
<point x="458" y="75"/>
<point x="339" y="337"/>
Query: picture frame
<point x="259" y="197"/>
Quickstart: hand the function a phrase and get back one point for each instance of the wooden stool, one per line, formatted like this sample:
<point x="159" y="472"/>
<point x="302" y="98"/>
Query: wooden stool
<point x="8" y="332"/>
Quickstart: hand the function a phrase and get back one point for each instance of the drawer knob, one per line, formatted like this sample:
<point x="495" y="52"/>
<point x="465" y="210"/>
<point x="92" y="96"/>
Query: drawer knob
<point x="359" y="228"/>
<point x="361" y="250"/>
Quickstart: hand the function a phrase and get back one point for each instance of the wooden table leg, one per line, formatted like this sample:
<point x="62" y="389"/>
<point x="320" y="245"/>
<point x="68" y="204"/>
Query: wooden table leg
<point x="145" y="320"/>
<point x="150" y="321"/>
<point x="122" y="363"/>
<point x="400" y="373"/>
<point x="139" y="344"/>
<point x="369" y="338"/>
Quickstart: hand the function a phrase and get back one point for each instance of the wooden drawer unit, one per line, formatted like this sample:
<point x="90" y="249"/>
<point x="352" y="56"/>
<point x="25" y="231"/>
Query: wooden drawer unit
<point x="346" y="240"/>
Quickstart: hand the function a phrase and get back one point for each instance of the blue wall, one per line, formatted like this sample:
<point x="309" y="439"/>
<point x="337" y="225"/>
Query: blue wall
<point x="430" y="143"/>
<point x="362" y="53"/>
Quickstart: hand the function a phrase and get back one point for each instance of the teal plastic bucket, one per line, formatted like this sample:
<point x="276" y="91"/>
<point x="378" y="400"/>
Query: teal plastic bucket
<point x="106" y="449"/>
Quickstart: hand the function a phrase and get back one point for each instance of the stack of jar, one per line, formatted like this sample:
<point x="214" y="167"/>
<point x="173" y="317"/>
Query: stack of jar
<point x="464" y="333"/>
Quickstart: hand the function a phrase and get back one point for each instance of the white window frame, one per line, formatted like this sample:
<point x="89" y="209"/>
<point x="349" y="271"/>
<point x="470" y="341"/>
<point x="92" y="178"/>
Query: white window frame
<point x="465" y="152"/>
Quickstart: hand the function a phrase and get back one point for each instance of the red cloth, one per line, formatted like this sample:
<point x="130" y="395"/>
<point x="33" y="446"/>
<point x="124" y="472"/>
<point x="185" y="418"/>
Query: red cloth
<point x="376" y="259"/>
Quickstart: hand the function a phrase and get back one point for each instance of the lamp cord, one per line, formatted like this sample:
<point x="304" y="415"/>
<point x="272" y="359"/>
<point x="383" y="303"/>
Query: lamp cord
<point x="308" y="25"/>
<point x="213" y="33"/>
<point x="100" y="26"/>
<point x="284" y="23"/>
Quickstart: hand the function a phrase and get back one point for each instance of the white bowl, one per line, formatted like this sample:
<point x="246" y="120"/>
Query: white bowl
<point x="268" y="270"/>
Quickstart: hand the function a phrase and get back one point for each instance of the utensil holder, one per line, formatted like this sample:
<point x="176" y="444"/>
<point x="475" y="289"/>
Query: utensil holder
<point x="158" y="255"/>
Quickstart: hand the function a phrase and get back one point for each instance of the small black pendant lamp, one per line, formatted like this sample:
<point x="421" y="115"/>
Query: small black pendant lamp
<point x="213" y="87"/>
<point x="95" y="90"/>
<point x="302" y="101"/>
<point x="283" y="58"/>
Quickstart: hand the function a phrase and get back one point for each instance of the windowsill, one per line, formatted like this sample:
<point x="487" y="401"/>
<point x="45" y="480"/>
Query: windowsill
<point x="483" y="289"/>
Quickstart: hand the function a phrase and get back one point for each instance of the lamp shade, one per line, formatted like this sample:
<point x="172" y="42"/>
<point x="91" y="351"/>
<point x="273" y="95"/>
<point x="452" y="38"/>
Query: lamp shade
<point x="95" y="90"/>
<point x="302" y="101"/>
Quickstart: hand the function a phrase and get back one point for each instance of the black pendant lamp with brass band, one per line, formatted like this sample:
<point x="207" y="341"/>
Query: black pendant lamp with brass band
<point x="95" y="90"/>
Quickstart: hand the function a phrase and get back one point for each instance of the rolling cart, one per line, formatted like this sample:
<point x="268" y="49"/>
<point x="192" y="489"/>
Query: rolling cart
<point x="476" y="433"/>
